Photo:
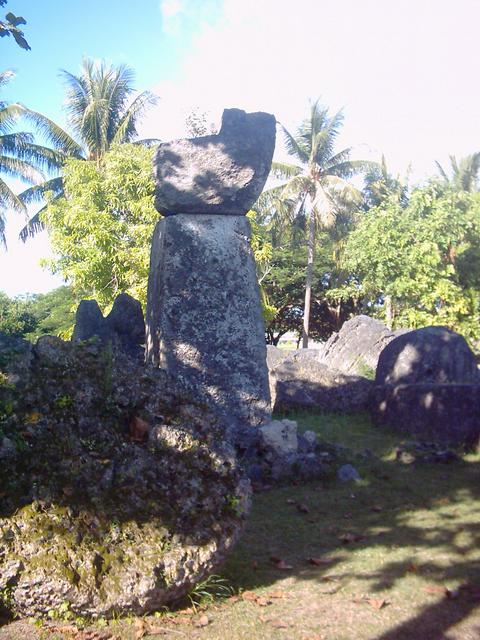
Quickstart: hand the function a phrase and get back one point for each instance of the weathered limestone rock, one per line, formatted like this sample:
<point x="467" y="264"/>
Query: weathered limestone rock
<point x="428" y="386"/>
<point x="281" y="436"/>
<point x="446" y="414"/>
<point x="124" y="326"/>
<point x="219" y="174"/>
<point x="96" y="516"/>
<point x="429" y="355"/>
<point x="204" y="318"/>
<point x="355" y="349"/>
<point x="300" y="381"/>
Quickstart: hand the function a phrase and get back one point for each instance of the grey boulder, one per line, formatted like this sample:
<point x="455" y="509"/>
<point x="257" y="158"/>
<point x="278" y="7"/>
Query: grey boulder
<point x="430" y="355"/>
<point x="355" y="349"/>
<point x="218" y="174"/>
<point x="301" y="381"/>
<point x="123" y="326"/>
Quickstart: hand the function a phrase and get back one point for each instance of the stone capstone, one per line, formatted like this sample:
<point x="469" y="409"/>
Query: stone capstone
<point x="355" y="349"/>
<point x="97" y="515"/>
<point x="204" y="317"/>
<point x="124" y="325"/>
<point x="430" y="355"/>
<point x="218" y="174"/>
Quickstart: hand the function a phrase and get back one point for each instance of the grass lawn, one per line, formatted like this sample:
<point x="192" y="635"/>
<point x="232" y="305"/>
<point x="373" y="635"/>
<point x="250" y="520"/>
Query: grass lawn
<point x="395" y="556"/>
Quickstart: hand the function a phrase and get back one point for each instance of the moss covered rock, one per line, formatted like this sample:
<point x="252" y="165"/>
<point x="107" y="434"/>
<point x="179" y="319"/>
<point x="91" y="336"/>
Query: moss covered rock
<point x="117" y="492"/>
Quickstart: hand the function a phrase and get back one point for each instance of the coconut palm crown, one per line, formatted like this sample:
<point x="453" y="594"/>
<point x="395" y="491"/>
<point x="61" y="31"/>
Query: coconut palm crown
<point x="465" y="173"/>
<point x="20" y="157"/>
<point x="312" y="187"/>
<point x="100" y="113"/>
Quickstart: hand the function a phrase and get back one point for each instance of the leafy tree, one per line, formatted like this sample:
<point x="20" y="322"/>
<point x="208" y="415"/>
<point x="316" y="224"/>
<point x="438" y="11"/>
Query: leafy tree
<point x="424" y="259"/>
<point x="16" y="316"/>
<point x="464" y="176"/>
<point x="101" y="230"/>
<point x="54" y="313"/>
<point x="100" y="113"/>
<point x="284" y="287"/>
<point x="20" y="157"/>
<point x="31" y="316"/>
<point x="10" y="27"/>
<point x="313" y="187"/>
<point x="380" y="186"/>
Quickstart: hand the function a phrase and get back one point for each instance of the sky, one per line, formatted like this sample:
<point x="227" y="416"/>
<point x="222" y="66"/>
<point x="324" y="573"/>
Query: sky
<point x="404" y="72"/>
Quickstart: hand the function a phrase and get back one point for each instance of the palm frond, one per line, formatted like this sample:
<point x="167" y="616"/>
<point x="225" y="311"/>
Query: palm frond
<point x="38" y="192"/>
<point x="148" y="142"/>
<point x="53" y="133"/>
<point x="284" y="171"/>
<point x="126" y="127"/>
<point x="295" y="147"/>
<point x="351" y="168"/>
<point x="20" y="169"/>
<point x="8" y="199"/>
<point x="35" y="224"/>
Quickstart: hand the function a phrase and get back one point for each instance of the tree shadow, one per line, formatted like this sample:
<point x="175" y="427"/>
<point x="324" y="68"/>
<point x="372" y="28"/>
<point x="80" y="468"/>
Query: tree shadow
<point x="409" y="512"/>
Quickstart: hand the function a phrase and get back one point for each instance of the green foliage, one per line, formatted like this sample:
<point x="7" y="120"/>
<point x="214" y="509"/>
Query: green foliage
<point x="424" y="257"/>
<point x="10" y="27"/>
<point x="16" y="316"/>
<point x="31" y="316"/>
<point x="101" y="230"/>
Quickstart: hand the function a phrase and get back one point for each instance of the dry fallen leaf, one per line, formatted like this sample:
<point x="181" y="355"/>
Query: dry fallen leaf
<point x="250" y="596"/>
<point x="436" y="588"/>
<point x="202" y="621"/>
<point x="377" y="603"/>
<point x="290" y="501"/>
<point x="263" y="602"/>
<point x="303" y="508"/>
<point x="140" y="628"/>
<point x="277" y="594"/>
<point x="138" y="429"/>
<point x="319" y="562"/>
<point x="347" y="538"/>
<point x="283" y="566"/>
<point x="413" y="568"/>
<point x="377" y="508"/>
<point x="275" y="622"/>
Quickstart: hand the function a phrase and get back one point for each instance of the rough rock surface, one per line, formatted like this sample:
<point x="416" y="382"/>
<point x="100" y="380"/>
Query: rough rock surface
<point x="355" y="349"/>
<point x="301" y="381"/>
<point x="275" y="356"/>
<point x="204" y="317"/>
<point x="124" y="326"/>
<point x="446" y="414"/>
<point x="429" y="355"/>
<point x="218" y="174"/>
<point x="118" y="492"/>
<point x="281" y="436"/>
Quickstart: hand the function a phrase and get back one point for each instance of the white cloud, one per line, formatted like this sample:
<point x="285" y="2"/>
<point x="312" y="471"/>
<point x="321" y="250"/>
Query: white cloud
<point x="403" y="72"/>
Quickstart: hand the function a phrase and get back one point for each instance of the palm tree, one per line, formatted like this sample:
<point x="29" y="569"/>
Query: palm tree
<point x="100" y="114"/>
<point x="464" y="172"/>
<point x="20" y="157"/>
<point x="313" y="186"/>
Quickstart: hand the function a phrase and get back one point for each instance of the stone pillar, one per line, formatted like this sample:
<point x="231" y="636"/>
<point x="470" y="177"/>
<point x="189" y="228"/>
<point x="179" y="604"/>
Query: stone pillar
<point x="204" y="314"/>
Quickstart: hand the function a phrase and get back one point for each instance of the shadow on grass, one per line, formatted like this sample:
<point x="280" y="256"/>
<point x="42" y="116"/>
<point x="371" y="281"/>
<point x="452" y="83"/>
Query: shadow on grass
<point x="406" y="529"/>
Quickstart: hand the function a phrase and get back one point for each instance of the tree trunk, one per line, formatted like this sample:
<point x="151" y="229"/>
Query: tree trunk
<point x="309" y="279"/>
<point x="389" y="312"/>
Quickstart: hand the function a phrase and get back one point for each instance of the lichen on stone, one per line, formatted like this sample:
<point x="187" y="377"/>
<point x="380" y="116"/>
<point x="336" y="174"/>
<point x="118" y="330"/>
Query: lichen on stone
<point x="93" y="514"/>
